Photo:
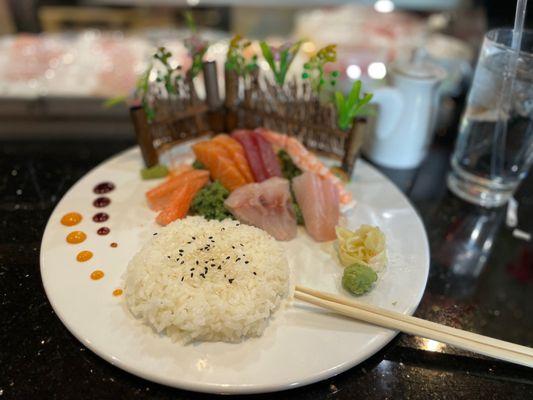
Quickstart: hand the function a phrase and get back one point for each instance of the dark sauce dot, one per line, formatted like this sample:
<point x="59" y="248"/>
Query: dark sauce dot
<point x="104" y="187"/>
<point x="104" y="230"/>
<point x="101" y="202"/>
<point x="114" y="244"/>
<point x="100" y="217"/>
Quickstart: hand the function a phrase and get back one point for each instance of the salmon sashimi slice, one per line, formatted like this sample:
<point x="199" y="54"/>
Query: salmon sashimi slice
<point x="220" y="165"/>
<point x="268" y="157"/>
<point x="306" y="161"/>
<point x="180" y="200"/>
<point x="318" y="199"/>
<point x="253" y="155"/>
<point x="267" y="205"/>
<point x="158" y="197"/>
<point x="237" y="154"/>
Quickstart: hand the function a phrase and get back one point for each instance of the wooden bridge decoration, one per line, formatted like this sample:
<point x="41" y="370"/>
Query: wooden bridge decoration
<point x="250" y="102"/>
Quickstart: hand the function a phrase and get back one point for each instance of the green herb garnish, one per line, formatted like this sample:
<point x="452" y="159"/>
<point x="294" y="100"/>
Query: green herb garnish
<point x="288" y="167"/>
<point x="235" y="59"/>
<point x="358" y="279"/>
<point x="198" y="165"/>
<point x="279" y="60"/>
<point x="350" y="107"/>
<point x="297" y="212"/>
<point x="314" y="69"/>
<point x="209" y="202"/>
<point x="155" y="172"/>
<point x="195" y="45"/>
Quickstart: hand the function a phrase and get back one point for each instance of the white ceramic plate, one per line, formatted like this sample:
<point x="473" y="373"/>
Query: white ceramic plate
<point x="301" y="345"/>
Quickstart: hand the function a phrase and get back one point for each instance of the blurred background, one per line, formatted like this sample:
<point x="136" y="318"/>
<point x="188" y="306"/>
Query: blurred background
<point x="60" y="60"/>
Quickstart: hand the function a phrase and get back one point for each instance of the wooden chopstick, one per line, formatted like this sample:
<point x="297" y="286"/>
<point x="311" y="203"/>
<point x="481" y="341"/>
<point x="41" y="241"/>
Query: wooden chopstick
<point x="415" y="326"/>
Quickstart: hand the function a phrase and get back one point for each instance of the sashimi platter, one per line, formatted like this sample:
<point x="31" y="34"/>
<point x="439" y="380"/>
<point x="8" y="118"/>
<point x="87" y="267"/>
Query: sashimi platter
<point x="184" y="272"/>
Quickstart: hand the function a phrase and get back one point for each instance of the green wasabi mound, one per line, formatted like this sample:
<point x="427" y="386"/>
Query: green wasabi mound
<point x="155" y="172"/>
<point x="358" y="279"/>
<point x="209" y="202"/>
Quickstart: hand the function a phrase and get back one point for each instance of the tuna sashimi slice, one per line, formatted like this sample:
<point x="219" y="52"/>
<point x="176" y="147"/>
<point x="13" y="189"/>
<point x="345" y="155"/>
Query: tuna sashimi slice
<point x="220" y="165"/>
<point x="237" y="154"/>
<point x="253" y="156"/>
<point x="180" y="201"/>
<point x="318" y="199"/>
<point x="266" y="205"/>
<point x="268" y="157"/>
<point x="158" y="197"/>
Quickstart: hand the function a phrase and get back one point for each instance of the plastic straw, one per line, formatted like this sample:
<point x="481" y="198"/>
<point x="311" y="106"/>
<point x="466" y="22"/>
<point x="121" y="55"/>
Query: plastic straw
<point x="504" y="104"/>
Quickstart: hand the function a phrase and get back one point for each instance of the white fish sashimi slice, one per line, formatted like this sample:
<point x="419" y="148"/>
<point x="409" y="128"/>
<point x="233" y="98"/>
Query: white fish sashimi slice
<point x="318" y="199"/>
<point x="266" y="205"/>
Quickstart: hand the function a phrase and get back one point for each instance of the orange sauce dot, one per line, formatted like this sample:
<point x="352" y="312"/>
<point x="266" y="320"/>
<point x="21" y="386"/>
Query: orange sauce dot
<point x="117" y="292"/>
<point x="95" y="275"/>
<point x="76" y="237"/>
<point x="114" y="244"/>
<point x="71" y="219"/>
<point x="84" y="255"/>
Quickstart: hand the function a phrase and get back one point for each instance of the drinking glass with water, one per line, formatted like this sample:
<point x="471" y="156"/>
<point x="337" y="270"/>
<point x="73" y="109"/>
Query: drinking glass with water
<point x="494" y="149"/>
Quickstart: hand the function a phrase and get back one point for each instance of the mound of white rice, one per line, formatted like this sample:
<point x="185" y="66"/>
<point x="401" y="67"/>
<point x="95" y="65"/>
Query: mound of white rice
<point x="207" y="280"/>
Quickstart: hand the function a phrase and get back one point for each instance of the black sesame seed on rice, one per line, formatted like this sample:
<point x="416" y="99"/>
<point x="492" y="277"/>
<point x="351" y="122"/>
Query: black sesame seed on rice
<point x="231" y="280"/>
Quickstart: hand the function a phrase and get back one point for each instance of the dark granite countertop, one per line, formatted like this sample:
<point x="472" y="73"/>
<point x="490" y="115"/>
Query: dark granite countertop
<point x="481" y="279"/>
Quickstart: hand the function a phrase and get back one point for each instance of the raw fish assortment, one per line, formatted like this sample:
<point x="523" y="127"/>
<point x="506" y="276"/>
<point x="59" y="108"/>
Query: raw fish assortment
<point x="259" y="192"/>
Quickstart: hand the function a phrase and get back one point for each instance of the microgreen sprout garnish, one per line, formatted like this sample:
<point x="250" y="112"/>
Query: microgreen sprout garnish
<point x="314" y="70"/>
<point x="280" y="59"/>
<point x="235" y="59"/>
<point x="352" y="106"/>
<point x="142" y="88"/>
<point x="195" y="45"/>
<point x="169" y="76"/>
